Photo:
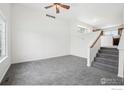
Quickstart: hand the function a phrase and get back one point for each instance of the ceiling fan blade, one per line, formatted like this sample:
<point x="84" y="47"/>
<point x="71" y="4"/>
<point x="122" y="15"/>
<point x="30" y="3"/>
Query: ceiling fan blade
<point x="50" y="16"/>
<point x="49" y="6"/>
<point x="57" y="9"/>
<point x="64" y="6"/>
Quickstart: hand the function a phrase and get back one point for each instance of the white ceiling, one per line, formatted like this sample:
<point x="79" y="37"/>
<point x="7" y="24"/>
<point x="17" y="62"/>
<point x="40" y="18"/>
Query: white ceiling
<point x="95" y="14"/>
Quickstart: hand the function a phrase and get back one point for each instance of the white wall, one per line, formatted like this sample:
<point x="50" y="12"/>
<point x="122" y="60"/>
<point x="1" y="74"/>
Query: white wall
<point x="81" y="41"/>
<point x="4" y="65"/>
<point x="80" y="45"/>
<point x="107" y="41"/>
<point x="37" y="37"/>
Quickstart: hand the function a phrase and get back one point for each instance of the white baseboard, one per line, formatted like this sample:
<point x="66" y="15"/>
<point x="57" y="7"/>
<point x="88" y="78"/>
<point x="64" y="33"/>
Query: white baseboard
<point x="30" y="60"/>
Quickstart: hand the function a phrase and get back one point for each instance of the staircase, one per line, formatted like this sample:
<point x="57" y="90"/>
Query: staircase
<point x="107" y="59"/>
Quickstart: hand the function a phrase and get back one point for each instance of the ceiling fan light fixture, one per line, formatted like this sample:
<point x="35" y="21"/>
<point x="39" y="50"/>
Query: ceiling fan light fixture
<point x="58" y="6"/>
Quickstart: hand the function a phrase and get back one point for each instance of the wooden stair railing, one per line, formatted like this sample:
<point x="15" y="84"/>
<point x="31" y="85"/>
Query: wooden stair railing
<point x="96" y="39"/>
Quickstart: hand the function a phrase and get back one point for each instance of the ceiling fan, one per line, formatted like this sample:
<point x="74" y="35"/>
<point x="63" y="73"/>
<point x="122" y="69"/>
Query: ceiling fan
<point x="58" y="6"/>
<point x="50" y="16"/>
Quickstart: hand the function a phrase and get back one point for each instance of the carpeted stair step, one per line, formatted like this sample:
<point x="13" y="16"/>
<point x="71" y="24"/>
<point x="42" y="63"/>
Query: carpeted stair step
<point x="107" y="56"/>
<point x="106" y="48"/>
<point x="108" y="52"/>
<point x="106" y="61"/>
<point x="105" y="67"/>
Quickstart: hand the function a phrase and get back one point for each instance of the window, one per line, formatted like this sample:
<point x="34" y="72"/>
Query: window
<point x="111" y="33"/>
<point x="82" y="29"/>
<point x="2" y="38"/>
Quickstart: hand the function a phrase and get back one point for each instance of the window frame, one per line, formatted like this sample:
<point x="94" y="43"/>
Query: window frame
<point x="86" y="29"/>
<point x="4" y="57"/>
<point x="111" y="32"/>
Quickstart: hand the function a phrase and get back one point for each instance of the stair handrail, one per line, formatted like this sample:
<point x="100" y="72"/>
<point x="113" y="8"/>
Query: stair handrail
<point x="96" y="39"/>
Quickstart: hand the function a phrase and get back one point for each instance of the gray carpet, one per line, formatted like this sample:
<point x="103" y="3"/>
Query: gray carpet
<point x="65" y="70"/>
